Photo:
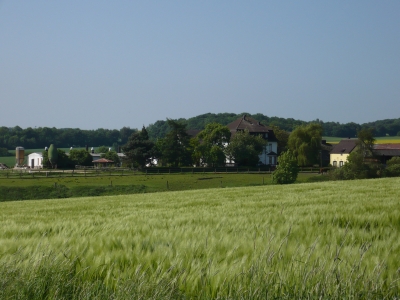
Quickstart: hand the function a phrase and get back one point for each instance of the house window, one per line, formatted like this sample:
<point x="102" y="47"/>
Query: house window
<point x="340" y="163"/>
<point x="270" y="147"/>
<point x="335" y="163"/>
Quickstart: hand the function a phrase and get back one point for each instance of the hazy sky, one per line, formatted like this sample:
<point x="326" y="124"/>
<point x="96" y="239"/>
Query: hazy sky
<point x="110" y="64"/>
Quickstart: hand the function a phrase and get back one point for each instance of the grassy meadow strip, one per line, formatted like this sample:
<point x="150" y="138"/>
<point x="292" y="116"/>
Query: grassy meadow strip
<point x="315" y="240"/>
<point x="66" y="186"/>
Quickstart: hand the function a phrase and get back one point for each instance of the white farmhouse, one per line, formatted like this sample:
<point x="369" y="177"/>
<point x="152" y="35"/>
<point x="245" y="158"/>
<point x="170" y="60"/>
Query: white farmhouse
<point x="269" y="154"/>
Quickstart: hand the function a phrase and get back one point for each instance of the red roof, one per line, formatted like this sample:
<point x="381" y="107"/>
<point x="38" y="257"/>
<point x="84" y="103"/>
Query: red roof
<point x="103" y="160"/>
<point x="387" y="146"/>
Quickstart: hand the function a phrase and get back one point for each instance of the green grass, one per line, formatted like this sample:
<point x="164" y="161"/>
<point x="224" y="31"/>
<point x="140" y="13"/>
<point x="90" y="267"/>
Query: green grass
<point x="63" y="185"/>
<point x="9" y="161"/>
<point x="336" y="240"/>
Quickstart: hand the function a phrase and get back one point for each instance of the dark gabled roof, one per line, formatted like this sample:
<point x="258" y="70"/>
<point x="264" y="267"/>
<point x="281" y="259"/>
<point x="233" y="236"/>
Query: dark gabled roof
<point x="272" y="153"/>
<point x="252" y="125"/>
<point x="387" y="149"/>
<point x="248" y="123"/>
<point x="344" y="146"/>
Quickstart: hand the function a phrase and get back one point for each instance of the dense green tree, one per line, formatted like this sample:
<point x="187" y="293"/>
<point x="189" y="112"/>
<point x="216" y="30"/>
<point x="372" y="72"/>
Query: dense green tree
<point x="111" y="155"/>
<point x="365" y="142"/>
<point x="211" y="144"/>
<point x="4" y="152"/>
<point x="102" y="149"/>
<point x="139" y="150"/>
<point x="245" y="148"/>
<point x="287" y="169"/>
<point x="63" y="160"/>
<point x="283" y="137"/>
<point x="393" y="167"/>
<point x="81" y="157"/>
<point x="175" y="147"/>
<point x="305" y="143"/>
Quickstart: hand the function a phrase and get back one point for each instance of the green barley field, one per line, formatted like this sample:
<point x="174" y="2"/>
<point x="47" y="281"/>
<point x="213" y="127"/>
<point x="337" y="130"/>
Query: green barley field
<point x="328" y="240"/>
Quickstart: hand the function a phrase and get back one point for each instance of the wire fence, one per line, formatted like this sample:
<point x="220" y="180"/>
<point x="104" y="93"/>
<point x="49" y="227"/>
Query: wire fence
<point x="93" y="172"/>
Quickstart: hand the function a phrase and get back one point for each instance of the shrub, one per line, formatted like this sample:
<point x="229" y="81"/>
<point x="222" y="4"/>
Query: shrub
<point x="287" y="169"/>
<point x="393" y="167"/>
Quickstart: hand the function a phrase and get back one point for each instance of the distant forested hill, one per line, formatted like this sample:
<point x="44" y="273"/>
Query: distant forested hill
<point x="38" y="138"/>
<point x="382" y="127"/>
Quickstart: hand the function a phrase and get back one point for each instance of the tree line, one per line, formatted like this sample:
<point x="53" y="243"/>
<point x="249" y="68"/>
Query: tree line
<point x="33" y="138"/>
<point x="36" y="138"/>
<point x="390" y="127"/>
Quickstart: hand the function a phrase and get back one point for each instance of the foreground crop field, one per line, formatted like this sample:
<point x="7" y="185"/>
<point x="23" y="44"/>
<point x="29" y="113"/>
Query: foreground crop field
<point x="328" y="240"/>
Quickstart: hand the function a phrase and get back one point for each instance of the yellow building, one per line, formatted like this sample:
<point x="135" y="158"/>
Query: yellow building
<point x="340" y="152"/>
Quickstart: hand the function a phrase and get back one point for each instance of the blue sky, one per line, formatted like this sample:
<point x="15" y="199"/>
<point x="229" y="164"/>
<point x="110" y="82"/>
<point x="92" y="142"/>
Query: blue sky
<point x="109" y="64"/>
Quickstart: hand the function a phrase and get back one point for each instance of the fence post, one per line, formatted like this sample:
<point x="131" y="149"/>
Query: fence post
<point x="167" y="185"/>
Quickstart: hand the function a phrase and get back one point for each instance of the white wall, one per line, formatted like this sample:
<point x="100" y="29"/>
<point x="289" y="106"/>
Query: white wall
<point x="37" y="160"/>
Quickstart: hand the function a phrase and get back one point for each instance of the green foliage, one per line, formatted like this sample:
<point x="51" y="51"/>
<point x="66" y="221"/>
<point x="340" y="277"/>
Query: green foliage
<point x="305" y="144"/>
<point x="102" y="149"/>
<point x="245" y="148"/>
<point x="393" y="167"/>
<point x="211" y="144"/>
<point x="283" y="137"/>
<point x="365" y="142"/>
<point x="354" y="168"/>
<point x="52" y="155"/>
<point x="287" y="170"/>
<point x="63" y="160"/>
<point x="80" y="157"/>
<point x="4" y="152"/>
<point x="111" y="155"/>
<point x="139" y="150"/>
<point x="175" y="148"/>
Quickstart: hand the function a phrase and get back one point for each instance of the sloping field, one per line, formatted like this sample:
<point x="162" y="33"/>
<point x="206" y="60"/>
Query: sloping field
<point x="379" y="140"/>
<point x="328" y="240"/>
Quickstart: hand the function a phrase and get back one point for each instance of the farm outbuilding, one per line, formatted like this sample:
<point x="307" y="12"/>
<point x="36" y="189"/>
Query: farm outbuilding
<point x="103" y="163"/>
<point x="35" y="160"/>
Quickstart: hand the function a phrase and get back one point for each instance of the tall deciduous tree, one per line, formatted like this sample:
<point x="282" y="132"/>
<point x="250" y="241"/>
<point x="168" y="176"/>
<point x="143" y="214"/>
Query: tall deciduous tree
<point x="305" y="143"/>
<point x="139" y="150"/>
<point x="244" y="148"/>
<point x="211" y="144"/>
<point x="366" y="141"/>
<point x="175" y="147"/>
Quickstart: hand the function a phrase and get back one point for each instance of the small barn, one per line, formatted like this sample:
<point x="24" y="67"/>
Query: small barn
<point x="35" y="160"/>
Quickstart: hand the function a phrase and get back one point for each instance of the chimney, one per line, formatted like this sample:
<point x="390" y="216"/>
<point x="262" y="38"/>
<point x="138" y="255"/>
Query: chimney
<point x="92" y="150"/>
